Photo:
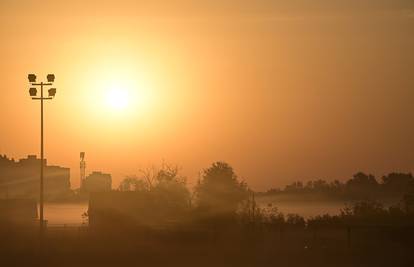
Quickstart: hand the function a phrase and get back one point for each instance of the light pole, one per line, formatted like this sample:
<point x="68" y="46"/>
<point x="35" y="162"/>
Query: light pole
<point x="33" y="94"/>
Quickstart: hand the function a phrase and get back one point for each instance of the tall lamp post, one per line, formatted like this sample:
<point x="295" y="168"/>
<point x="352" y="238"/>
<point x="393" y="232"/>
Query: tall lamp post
<point x="33" y="94"/>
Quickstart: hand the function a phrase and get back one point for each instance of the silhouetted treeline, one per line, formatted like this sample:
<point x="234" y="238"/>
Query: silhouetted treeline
<point x="368" y="214"/>
<point x="360" y="187"/>
<point x="220" y="198"/>
<point x="214" y="200"/>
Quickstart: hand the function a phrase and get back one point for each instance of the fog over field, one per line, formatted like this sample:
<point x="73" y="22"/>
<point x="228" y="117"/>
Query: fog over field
<point x="71" y="214"/>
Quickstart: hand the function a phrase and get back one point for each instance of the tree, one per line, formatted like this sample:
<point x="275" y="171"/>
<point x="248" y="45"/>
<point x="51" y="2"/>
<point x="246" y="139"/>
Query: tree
<point x="364" y="212"/>
<point x="168" y="185"/>
<point x="397" y="182"/>
<point x="362" y="185"/>
<point x="408" y="199"/>
<point x="164" y="184"/>
<point x="362" y="180"/>
<point x="320" y="186"/>
<point x="219" y="191"/>
<point x="133" y="183"/>
<point x="295" y="187"/>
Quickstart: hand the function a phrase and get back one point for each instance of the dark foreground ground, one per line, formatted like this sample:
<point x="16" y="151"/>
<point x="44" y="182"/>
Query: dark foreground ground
<point x="232" y="247"/>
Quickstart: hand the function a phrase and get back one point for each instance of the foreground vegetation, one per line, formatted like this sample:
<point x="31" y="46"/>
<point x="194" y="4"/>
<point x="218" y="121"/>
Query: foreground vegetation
<point x="241" y="244"/>
<point x="219" y="223"/>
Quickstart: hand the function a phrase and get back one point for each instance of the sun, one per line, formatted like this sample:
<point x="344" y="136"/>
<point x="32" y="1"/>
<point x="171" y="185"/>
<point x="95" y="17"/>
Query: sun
<point x="119" y="95"/>
<point x="117" y="98"/>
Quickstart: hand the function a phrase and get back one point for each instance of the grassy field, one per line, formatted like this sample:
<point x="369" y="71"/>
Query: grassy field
<point x="74" y="246"/>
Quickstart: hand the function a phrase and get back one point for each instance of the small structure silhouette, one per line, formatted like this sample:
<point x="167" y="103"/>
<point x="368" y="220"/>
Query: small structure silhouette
<point x="132" y="209"/>
<point x="97" y="182"/>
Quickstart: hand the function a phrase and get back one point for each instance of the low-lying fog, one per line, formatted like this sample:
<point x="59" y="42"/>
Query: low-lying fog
<point x="71" y="213"/>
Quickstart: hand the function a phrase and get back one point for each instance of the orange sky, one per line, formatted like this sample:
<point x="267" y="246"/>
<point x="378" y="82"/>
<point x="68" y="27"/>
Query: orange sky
<point x="282" y="90"/>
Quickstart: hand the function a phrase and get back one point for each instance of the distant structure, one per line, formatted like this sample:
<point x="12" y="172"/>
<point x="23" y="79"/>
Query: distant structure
<point x="20" y="179"/>
<point x="94" y="182"/>
<point x="115" y="209"/>
<point x="97" y="182"/>
<point x="82" y="165"/>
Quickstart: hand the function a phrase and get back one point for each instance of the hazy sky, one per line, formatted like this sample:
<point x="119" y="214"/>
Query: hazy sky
<point x="282" y="90"/>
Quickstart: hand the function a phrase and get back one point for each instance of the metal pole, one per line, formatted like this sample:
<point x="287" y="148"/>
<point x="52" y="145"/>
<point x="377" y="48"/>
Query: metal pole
<point x="41" y="162"/>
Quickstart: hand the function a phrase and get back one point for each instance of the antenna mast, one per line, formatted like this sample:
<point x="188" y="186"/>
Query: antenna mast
<point x="82" y="169"/>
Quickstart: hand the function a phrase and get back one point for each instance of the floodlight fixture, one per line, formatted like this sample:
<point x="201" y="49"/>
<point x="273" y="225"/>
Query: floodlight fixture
<point x="32" y="78"/>
<point x="51" y="78"/>
<point x="33" y="91"/>
<point x="52" y="92"/>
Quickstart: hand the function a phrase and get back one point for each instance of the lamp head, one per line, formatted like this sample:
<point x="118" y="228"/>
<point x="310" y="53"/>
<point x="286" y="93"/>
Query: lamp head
<point x="33" y="91"/>
<point x="51" y="78"/>
<point x="52" y="92"/>
<point x="32" y="78"/>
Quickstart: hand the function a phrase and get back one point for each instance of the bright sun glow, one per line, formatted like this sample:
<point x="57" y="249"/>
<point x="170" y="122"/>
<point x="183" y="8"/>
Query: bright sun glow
<point x="117" y="98"/>
<point x="123" y="95"/>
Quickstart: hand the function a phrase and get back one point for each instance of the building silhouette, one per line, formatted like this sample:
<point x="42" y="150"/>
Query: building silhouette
<point x="20" y="179"/>
<point x="132" y="208"/>
<point x="97" y="182"/>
